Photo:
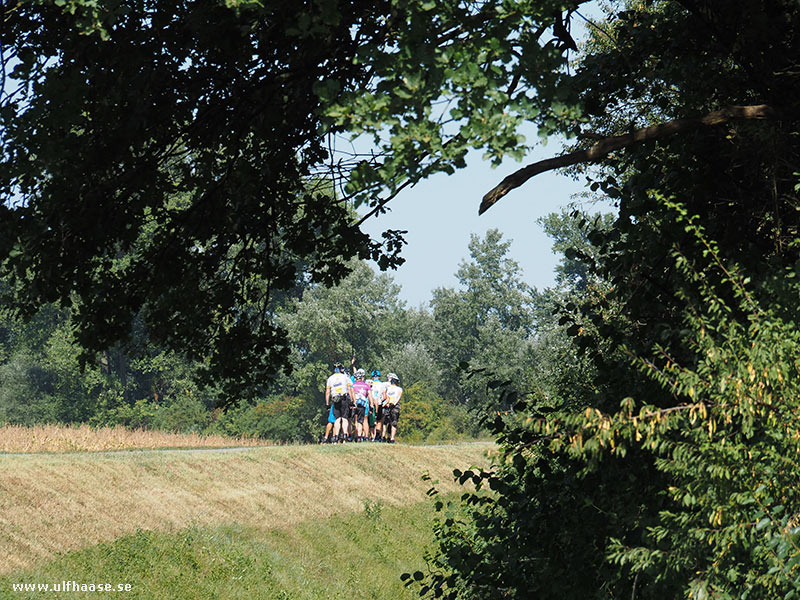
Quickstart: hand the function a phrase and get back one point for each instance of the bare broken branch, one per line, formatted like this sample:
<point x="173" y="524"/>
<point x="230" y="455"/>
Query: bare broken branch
<point x="602" y="148"/>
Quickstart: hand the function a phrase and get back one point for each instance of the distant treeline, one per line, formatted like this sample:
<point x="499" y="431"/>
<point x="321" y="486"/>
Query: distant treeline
<point x="486" y="330"/>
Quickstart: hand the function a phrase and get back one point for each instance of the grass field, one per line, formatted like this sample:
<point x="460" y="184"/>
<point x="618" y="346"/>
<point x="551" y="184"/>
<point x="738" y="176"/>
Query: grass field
<point x="351" y="556"/>
<point x="55" y="503"/>
<point x="82" y="438"/>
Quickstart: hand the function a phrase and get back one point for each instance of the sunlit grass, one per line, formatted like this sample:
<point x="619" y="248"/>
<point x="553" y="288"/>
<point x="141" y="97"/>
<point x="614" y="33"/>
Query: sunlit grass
<point x="359" y="555"/>
<point x="83" y="438"/>
<point x="51" y="503"/>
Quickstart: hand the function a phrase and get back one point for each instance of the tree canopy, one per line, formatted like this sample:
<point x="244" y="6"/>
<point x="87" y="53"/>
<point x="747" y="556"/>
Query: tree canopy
<point x="667" y="467"/>
<point x="187" y="167"/>
<point x="160" y="161"/>
<point x="487" y="324"/>
<point x="183" y="163"/>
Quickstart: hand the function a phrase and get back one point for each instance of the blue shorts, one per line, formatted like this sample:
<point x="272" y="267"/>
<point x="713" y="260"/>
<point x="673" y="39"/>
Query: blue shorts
<point x="364" y="407"/>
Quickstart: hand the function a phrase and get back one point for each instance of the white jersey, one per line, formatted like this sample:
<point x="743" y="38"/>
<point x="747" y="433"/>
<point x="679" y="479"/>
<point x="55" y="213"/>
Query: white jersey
<point x="376" y="392"/>
<point x="338" y="383"/>
<point x="393" y="393"/>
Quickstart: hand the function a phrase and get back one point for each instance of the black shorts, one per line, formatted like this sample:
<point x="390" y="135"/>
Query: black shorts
<point x="360" y="412"/>
<point x="380" y="413"/>
<point x="341" y="407"/>
<point x="391" y="414"/>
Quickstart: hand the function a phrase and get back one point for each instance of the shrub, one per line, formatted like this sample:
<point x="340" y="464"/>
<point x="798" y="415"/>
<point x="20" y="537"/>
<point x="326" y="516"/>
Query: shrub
<point x="186" y="414"/>
<point x="139" y="415"/>
<point x="282" y="419"/>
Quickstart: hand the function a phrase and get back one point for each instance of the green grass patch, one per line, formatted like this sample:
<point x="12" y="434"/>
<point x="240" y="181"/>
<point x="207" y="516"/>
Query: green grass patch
<point x="349" y="556"/>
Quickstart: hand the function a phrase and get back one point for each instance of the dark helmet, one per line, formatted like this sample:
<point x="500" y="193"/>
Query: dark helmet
<point x="337" y="366"/>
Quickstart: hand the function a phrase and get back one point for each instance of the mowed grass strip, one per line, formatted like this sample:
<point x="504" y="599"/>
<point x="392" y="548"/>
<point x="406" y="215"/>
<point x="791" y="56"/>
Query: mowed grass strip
<point x="355" y="556"/>
<point x="83" y="438"/>
<point x="55" y="503"/>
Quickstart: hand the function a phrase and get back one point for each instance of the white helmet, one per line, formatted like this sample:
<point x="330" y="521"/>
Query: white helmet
<point x="392" y="377"/>
<point x="360" y="374"/>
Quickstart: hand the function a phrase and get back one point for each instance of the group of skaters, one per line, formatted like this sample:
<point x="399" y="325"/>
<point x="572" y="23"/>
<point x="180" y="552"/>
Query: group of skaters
<point x="361" y="409"/>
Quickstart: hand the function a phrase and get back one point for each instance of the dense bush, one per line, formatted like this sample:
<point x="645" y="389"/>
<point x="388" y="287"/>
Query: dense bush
<point x="425" y="416"/>
<point x="186" y="414"/>
<point x="25" y="391"/>
<point x="281" y="418"/>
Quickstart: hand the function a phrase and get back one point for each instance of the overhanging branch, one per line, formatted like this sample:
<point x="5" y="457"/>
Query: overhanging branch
<point x="602" y="148"/>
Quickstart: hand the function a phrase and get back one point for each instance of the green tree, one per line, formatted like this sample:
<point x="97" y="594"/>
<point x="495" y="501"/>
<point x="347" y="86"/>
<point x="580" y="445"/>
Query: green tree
<point x="658" y="475"/>
<point x="571" y="234"/>
<point x="43" y="378"/>
<point x="278" y="418"/>
<point x="192" y="202"/>
<point x="487" y="323"/>
<point x="422" y="411"/>
<point x="23" y="394"/>
<point x="359" y="317"/>
<point x="41" y="375"/>
<point x="718" y="469"/>
<point x="187" y="202"/>
<point x="160" y="161"/>
<point x="415" y="362"/>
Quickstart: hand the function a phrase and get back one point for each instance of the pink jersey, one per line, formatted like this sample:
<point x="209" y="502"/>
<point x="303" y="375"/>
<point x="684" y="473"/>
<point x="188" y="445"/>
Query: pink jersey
<point x="361" y="391"/>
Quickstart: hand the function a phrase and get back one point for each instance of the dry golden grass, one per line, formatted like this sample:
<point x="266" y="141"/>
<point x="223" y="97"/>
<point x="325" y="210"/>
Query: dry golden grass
<point x="82" y="438"/>
<point x="50" y="503"/>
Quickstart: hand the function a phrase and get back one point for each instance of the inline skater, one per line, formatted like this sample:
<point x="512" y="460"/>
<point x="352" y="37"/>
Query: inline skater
<point x="351" y="373"/>
<point x="326" y="439"/>
<point x="377" y="397"/>
<point x="361" y="391"/>
<point x="391" y="407"/>
<point x="338" y="395"/>
<point x="371" y="411"/>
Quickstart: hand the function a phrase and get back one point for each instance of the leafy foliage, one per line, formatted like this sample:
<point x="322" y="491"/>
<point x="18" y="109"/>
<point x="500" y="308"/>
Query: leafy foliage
<point x="144" y="385"/>
<point x="487" y="323"/>
<point x="718" y="516"/>
<point x="667" y="468"/>
<point x="158" y="161"/>
<point x="200" y="201"/>
<point x="427" y="416"/>
<point x="648" y="425"/>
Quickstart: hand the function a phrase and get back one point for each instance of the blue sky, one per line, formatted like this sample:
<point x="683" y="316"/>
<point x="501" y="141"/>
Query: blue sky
<point x="441" y="213"/>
